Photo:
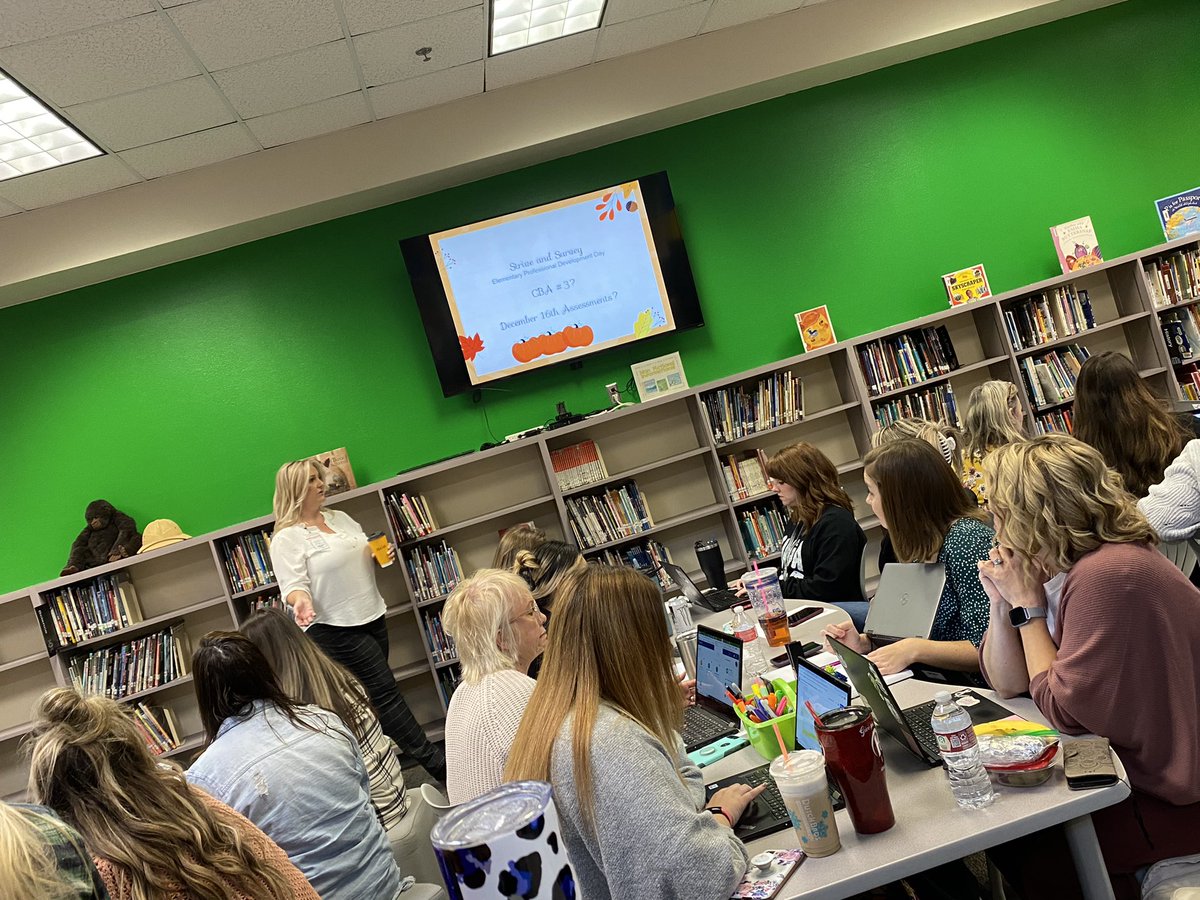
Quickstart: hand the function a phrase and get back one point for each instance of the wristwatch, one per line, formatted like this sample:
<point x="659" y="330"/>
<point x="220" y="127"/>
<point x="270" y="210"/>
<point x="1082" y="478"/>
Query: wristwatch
<point x="1023" y="615"/>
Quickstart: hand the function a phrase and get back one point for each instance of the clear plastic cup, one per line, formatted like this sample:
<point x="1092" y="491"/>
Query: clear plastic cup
<point x="805" y="791"/>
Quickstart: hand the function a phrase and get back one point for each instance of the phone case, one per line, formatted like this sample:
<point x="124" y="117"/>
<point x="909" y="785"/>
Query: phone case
<point x="1088" y="763"/>
<point x="767" y="873"/>
<point x="718" y="749"/>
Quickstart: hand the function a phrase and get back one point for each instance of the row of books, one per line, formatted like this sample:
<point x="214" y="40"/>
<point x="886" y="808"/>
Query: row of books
<point x="441" y="645"/>
<point x="907" y="359"/>
<point x="1050" y="378"/>
<point x="269" y="600"/>
<point x="410" y="516"/>
<point x="133" y="666"/>
<point x="158" y="727"/>
<point x="1057" y="420"/>
<point x="578" y="465"/>
<point x="247" y="560"/>
<point x="447" y="681"/>
<point x="747" y="476"/>
<point x="1181" y="331"/>
<point x="646" y="557"/>
<point x="1174" y="278"/>
<point x="763" y="530"/>
<point x="1048" y="317"/>
<point x="937" y="404"/>
<point x="1189" y="381"/>
<point x="78" y="612"/>
<point x="617" y="513"/>
<point x="736" y="412"/>
<point x="433" y="571"/>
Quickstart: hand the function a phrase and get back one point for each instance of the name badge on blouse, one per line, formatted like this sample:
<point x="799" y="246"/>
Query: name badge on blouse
<point x="318" y="542"/>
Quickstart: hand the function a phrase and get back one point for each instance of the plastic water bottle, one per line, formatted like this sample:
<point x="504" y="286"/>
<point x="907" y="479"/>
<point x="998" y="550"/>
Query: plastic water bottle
<point x="753" y="661"/>
<point x="969" y="780"/>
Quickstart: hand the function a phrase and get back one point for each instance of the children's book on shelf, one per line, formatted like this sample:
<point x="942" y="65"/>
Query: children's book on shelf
<point x="1174" y="277"/>
<point x="1058" y="420"/>
<point x="1181" y="331"/>
<point x="619" y="512"/>
<point x="142" y="664"/>
<point x="745" y="474"/>
<point x="646" y="557"/>
<point x="1188" y="377"/>
<point x="907" y="359"/>
<point x="269" y="600"/>
<point x="936" y="403"/>
<point x="578" y="465"/>
<point x="441" y="645"/>
<point x="1179" y="214"/>
<point x="433" y="571"/>
<point x="410" y="516"/>
<point x="1043" y="318"/>
<point x="247" y="560"/>
<point x="657" y="377"/>
<point x="335" y="465"/>
<point x="1050" y="377"/>
<point x="773" y="401"/>
<point x="763" y="530"/>
<point x="1076" y="244"/>
<point x="88" y="609"/>
<point x="816" y="328"/>
<point x="967" y="285"/>
<point x="157" y="726"/>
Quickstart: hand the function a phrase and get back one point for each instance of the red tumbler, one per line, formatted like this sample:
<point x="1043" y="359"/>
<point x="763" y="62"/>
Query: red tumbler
<point x="855" y="761"/>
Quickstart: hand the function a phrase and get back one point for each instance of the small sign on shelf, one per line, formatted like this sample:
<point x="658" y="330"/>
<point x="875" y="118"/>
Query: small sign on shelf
<point x="659" y="376"/>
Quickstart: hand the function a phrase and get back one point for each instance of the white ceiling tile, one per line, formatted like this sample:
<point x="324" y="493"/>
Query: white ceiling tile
<point x="375" y="15"/>
<point x="111" y="59"/>
<point x="309" y="121"/>
<point x="455" y="38"/>
<point x="541" y="59"/>
<point x="152" y="115"/>
<point x="427" y="90"/>
<point x="227" y="33"/>
<point x="8" y="209"/>
<point x="624" y="10"/>
<point x="191" y="151"/>
<point x="734" y="12"/>
<point x="31" y="20"/>
<point x="90" y="176"/>
<point x="651" y="31"/>
<point x="293" y="80"/>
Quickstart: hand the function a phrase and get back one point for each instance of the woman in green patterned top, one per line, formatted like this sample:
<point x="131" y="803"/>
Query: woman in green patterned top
<point x="44" y="857"/>
<point x="930" y="519"/>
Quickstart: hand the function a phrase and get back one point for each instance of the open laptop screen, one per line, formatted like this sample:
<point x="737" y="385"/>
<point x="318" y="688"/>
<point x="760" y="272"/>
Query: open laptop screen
<point x="824" y="692"/>
<point x="718" y="664"/>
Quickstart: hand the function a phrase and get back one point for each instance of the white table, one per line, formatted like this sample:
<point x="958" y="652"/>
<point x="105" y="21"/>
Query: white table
<point x="930" y="829"/>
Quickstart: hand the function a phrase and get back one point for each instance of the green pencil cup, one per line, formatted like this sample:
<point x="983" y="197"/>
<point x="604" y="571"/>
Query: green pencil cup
<point x="762" y="735"/>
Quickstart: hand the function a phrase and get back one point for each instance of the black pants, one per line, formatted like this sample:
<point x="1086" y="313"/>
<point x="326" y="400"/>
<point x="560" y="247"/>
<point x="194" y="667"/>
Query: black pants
<point x="363" y="649"/>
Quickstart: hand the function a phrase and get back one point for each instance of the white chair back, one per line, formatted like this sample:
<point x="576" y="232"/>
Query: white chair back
<point x="1181" y="553"/>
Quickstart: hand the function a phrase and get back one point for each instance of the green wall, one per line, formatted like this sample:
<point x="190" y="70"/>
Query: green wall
<point x="177" y="392"/>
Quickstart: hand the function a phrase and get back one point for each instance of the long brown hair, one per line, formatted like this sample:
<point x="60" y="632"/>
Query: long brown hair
<point x="525" y="536"/>
<point x="604" y="618"/>
<point x="1116" y="413"/>
<point x="921" y="497"/>
<point x="90" y="764"/>
<point x="547" y="567"/>
<point x="814" y="478"/>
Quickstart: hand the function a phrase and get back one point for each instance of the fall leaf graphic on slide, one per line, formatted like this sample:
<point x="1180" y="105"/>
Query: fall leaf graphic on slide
<point x="643" y="323"/>
<point x="471" y="346"/>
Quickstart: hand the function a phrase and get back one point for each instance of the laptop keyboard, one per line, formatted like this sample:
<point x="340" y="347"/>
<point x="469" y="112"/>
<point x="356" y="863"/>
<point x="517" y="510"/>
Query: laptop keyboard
<point x="701" y="727"/>
<point x="774" y="802"/>
<point x="918" y="720"/>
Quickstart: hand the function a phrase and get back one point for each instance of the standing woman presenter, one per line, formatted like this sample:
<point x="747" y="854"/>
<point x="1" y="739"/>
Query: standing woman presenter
<point x="326" y="574"/>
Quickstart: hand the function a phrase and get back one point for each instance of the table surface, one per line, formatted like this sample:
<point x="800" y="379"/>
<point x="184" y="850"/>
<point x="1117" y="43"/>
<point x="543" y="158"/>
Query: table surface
<point x="930" y="828"/>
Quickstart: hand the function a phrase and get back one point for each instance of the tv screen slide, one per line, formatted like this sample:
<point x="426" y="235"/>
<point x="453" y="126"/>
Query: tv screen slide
<point x="545" y="284"/>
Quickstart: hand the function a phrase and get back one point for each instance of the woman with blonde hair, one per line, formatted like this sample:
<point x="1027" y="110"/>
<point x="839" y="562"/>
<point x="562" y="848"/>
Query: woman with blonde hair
<point x="326" y="574"/>
<point x="1118" y="656"/>
<point x="943" y="438"/>
<point x="525" y="536"/>
<point x="43" y="858"/>
<point x="634" y="819"/>
<point x="992" y="418"/>
<point x="498" y="631"/>
<point x="150" y="834"/>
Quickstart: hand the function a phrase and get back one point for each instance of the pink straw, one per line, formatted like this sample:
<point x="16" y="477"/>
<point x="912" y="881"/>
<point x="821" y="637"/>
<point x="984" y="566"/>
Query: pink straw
<point x="779" y="737"/>
<point x="816" y="718"/>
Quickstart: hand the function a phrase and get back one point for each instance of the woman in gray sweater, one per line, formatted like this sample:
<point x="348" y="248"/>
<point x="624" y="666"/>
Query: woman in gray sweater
<point x="634" y="818"/>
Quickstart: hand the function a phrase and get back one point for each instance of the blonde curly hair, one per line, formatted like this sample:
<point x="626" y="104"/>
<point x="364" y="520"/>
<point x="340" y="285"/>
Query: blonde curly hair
<point x="1055" y="500"/>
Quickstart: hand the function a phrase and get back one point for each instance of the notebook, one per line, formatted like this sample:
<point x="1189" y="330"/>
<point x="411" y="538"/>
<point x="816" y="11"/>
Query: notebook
<point x="905" y="602"/>
<point x="714" y="599"/>
<point x="718" y="665"/>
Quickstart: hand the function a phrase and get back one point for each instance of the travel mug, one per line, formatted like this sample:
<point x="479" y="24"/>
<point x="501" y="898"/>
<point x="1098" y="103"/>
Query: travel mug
<point x="855" y="761"/>
<point x="708" y="555"/>
<point x="378" y="543"/>
<point x="805" y="791"/>
<point x="762" y="585"/>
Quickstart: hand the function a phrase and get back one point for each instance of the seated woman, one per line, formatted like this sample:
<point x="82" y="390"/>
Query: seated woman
<point x="606" y="736"/>
<point x="1173" y="505"/>
<point x="822" y="554"/>
<point x="525" y="536"/>
<point x="149" y="833"/>
<point x="498" y="631"/>
<point x="1119" y="657"/>
<point x="545" y="569"/>
<point x="931" y="519"/>
<point x="44" y="857"/>
<point x="295" y="771"/>
<point x="992" y="418"/>
<point x="310" y="678"/>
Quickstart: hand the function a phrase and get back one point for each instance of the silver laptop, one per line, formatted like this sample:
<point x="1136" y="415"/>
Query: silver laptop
<point x="905" y="602"/>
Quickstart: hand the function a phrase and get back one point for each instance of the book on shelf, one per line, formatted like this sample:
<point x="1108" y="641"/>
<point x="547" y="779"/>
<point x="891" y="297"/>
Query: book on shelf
<point x="433" y="571"/>
<point x="269" y="600"/>
<point x="1188" y="377"/>
<point x="936" y="403"/>
<point x="88" y="609"/>
<point x="745" y="474"/>
<point x="441" y="645"/>
<point x="967" y="285"/>
<point x="1174" y="278"/>
<point x="157" y="726"/>
<point x="578" y="465"/>
<point x="1076" y="244"/>
<point x="619" y="512"/>
<point x="1037" y="320"/>
<point x="448" y="680"/>
<point x="646" y="557"/>
<point x="1181" y="331"/>
<point x="735" y="412"/>
<point x="1058" y="420"/>
<point x="134" y="666"/>
<point x="1050" y="377"/>
<point x="410" y="516"/>
<point x="906" y="360"/>
<point x="763" y="529"/>
<point x="1179" y="214"/>
<point x="247" y="560"/>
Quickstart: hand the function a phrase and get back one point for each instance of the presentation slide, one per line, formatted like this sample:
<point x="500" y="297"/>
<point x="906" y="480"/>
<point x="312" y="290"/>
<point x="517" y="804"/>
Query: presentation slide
<point x="561" y="280"/>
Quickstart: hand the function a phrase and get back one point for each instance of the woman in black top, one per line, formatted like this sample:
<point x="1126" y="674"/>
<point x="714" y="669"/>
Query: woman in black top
<point x="822" y="555"/>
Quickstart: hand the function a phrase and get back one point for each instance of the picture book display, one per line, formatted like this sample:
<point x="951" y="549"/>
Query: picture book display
<point x="659" y="376"/>
<point x="335" y="464"/>
<point x="967" y="285"/>
<point x="816" y="328"/>
<point x="1076" y="244"/>
<point x="1179" y="214"/>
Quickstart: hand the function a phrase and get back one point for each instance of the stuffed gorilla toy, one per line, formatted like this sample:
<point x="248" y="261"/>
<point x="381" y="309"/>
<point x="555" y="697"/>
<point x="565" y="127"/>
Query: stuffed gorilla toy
<point x="110" y="535"/>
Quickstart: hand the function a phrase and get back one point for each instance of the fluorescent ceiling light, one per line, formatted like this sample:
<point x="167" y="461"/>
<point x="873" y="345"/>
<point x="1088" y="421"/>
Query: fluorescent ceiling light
<point x="33" y="138"/>
<point x="519" y="23"/>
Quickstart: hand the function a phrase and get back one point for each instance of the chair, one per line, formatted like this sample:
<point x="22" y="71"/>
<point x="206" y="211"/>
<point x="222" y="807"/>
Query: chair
<point x="410" y="838"/>
<point x="1181" y="553"/>
<point x="1173" y="879"/>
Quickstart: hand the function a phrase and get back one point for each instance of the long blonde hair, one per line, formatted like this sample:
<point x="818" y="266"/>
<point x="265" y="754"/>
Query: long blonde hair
<point x="547" y="567"/>
<point x="28" y="869"/>
<point x="479" y="616"/>
<point x="91" y="765"/>
<point x="291" y="483"/>
<point x="988" y="419"/>
<point x="943" y="438"/>
<point x="608" y="644"/>
<point x="1055" y="500"/>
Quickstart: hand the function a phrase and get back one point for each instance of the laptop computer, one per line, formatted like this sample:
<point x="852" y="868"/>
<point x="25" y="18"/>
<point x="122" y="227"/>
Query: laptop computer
<point x="908" y="727"/>
<point x="718" y="664"/>
<point x="905" y="602"/>
<point x="718" y="600"/>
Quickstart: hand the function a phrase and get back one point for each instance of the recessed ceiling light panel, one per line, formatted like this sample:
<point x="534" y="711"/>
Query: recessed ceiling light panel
<point x="519" y="23"/>
<point x="32" y="137"/>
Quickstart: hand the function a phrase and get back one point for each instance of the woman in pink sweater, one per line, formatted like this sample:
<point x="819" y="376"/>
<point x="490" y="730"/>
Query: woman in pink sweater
<point x="1117" y="656"/>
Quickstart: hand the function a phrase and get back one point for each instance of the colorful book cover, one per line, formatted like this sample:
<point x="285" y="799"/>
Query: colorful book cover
<point x="1076" y="244"/>
<point x="816" y="328"/>
<point x="967" y="285"/>
<point x="339" y="477"/>
<point x="1179" y="215"/>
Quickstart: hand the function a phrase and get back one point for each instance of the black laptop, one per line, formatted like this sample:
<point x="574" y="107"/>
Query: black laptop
<point x="716" y="599"/>
<point x="909" y="727"/>
<point x="718" y="665"/>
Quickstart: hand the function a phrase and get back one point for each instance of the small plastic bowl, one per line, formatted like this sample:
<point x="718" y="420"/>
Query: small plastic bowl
<point x="1023" y="777"/>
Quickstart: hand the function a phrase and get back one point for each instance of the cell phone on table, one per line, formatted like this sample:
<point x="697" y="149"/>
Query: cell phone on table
<point x="1088" y="763"/>
<point x="803" y="615"/>
<point x="802" y="650"/>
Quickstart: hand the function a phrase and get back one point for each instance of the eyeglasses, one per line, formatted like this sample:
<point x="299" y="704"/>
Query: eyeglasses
<point x="774" y="483"/>
<point x="530" y="613"/>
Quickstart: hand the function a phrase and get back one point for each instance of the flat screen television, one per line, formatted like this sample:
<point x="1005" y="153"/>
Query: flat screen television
<point x="552" y="283"/>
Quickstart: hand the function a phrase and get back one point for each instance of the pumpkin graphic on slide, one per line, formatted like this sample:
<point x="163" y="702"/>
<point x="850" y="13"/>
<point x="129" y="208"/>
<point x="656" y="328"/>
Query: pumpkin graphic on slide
<point x="552" y="343"/>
